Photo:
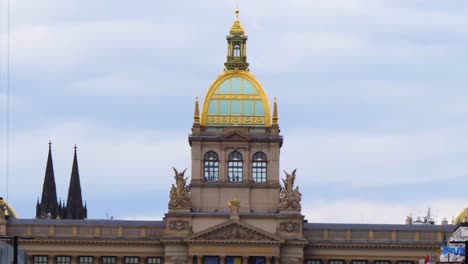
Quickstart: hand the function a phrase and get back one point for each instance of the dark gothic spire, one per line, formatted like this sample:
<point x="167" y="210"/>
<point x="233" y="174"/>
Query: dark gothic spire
<point x="75" y="209"/>
<point x="48" y="207"/>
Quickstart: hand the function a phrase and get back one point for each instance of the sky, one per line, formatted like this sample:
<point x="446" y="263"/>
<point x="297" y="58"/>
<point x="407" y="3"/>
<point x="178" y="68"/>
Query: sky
<point x="371" y="99"/>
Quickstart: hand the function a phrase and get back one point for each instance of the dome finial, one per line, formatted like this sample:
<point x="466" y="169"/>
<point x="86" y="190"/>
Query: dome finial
<point x="236" y="28"/>
<point x="196" y="112"/>
<point x="275" y="113"/>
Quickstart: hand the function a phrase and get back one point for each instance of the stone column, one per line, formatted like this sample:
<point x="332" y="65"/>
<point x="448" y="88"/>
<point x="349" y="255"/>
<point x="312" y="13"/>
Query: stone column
<point x="199" y="259"/>
<point x="190" y="260"/>
<point x="268" y="260"/>
<point x="245" y="260"/>
<point x="222" y="260"/>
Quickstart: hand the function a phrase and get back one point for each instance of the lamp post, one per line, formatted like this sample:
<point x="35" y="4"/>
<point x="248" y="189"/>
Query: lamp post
<point x="15" y="245"/>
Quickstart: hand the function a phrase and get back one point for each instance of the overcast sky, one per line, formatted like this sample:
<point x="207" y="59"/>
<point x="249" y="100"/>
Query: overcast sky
<point x="372" y="99"/>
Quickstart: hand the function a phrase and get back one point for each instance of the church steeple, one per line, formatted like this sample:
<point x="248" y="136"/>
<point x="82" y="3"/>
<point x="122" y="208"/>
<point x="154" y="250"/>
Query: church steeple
<point x="48" y="206"/>
<point x="236" y="40"/>
<point x="75" y="208"/>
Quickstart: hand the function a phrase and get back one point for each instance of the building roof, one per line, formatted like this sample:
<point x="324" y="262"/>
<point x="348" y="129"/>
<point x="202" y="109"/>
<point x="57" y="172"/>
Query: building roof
<point x="389" y="227"/>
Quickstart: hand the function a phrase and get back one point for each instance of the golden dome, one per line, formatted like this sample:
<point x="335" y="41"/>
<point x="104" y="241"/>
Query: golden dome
<point x="237" y="28"/>
<point x="236" y="98"/>
<point x="6" y="209"/>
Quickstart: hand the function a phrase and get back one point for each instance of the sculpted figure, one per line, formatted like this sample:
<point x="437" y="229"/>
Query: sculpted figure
<point x="180" y="192"/>
<point x="234" y="204"/>
<point x="290" y="198"/>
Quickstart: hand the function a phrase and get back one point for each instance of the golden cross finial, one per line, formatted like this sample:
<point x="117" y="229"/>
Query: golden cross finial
<point x="237" y="14"/>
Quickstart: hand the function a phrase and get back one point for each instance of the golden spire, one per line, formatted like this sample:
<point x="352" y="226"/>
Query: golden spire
<point x="236" y="28"/>
<point x="196" y="114"/>
<point x="275" y="113"/>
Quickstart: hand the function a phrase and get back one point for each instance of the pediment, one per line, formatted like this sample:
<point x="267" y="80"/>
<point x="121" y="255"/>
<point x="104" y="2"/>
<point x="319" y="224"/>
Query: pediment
<point x="234" y="232"/>
<point x="235" y="136"/>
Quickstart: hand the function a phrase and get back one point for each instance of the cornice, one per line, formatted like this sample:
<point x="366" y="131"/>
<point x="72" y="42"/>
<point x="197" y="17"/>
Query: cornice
<point x="42" y="241"/>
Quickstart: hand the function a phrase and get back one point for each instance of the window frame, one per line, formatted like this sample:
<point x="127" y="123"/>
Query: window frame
<point x="259" y="167"/>
<point x="109" y="257"/>
<point x="40" y="259"/>
<point x="235" y="166"/>
<point x="236" y="50"/>
<point x="156" y="258"/>
<point x="63" y="261"/>
<point x="80" y="260"/>
<point x="126" y="258"/>
<point x="211" y="166"/>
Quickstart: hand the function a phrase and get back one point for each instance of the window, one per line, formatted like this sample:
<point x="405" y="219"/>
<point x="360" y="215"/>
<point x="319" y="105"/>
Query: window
<point x="340" y="261"/>
<point x="382" y="262"/>
<point x="85" y="260"/>
<point x="259" y="167"/>
<point x="359" y="262"/>
<point x="131" y="260"/>
<point x="405" y="262"/>
<point x="63" y="260"/>
<point x="40" y="260"/>
<point x="235" y="167"/>
<point x="256" y="260"/>
<point x="211" y="162"/>
<point x="153" y="260"/>
<point x="313" y="261"/>
<point x="109" y="260"/>
<point x="236" y="50"/>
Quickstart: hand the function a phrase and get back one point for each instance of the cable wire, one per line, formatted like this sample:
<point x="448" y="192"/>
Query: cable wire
<point x="8" y="103"/>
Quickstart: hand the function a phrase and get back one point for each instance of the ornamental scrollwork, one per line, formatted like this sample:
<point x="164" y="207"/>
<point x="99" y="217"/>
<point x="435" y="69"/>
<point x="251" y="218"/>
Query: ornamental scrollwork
<point x="290" y="198"/>
<point x="289" y="227"/>
<point x="179" y="225"/>
<point x="234" y="232"/>
<point x="180" y="193"/>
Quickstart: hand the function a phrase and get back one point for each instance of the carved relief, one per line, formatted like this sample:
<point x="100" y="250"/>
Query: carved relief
<point x="196" y="154"/>
<point x="290" y="198"/>
<point x="178" y="260"/>
<point x="235" y="232"/>
<point x="275" y="155"/>
<point x="180" y="193"/>
<point x="289" y="261"/>
<point x="179" y="225"/>
<point x="289" y="227"/>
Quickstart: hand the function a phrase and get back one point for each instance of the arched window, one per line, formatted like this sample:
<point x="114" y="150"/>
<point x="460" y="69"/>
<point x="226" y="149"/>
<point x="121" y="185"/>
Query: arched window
<point x="236" y="50"/>
<point x="235" y="167"/>
<point x="210" y="164"/>
<point x="259" y="167"/>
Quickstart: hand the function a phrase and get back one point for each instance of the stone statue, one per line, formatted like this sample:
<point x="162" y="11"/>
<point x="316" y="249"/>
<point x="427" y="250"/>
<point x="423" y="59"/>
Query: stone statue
<point x="234" y="204"/>
<point x="290" y="198"/>
<point x="180" y="192"/>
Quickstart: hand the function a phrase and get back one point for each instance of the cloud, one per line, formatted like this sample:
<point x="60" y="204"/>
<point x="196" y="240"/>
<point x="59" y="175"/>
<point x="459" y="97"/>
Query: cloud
<point x="371" y="98"/>
<point x="376" y="159"/>
<point x="356" y="211"/>
<point x="112" y="161"/>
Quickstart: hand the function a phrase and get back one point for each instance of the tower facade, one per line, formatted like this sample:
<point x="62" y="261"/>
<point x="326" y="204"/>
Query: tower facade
<point x="235" y="147"/>
<point x="48" y="206"/>
<point x="235" y="201"/>
<point x="75" y="208"/>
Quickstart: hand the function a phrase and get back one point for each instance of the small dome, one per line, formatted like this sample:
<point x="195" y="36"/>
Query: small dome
<point x="236" y="28"/>
<point x="6" y="209"/>
<point x="236" y="98"/>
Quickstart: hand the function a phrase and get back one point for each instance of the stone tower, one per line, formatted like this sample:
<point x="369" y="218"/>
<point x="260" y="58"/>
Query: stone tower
<point x="234" y="201"/>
